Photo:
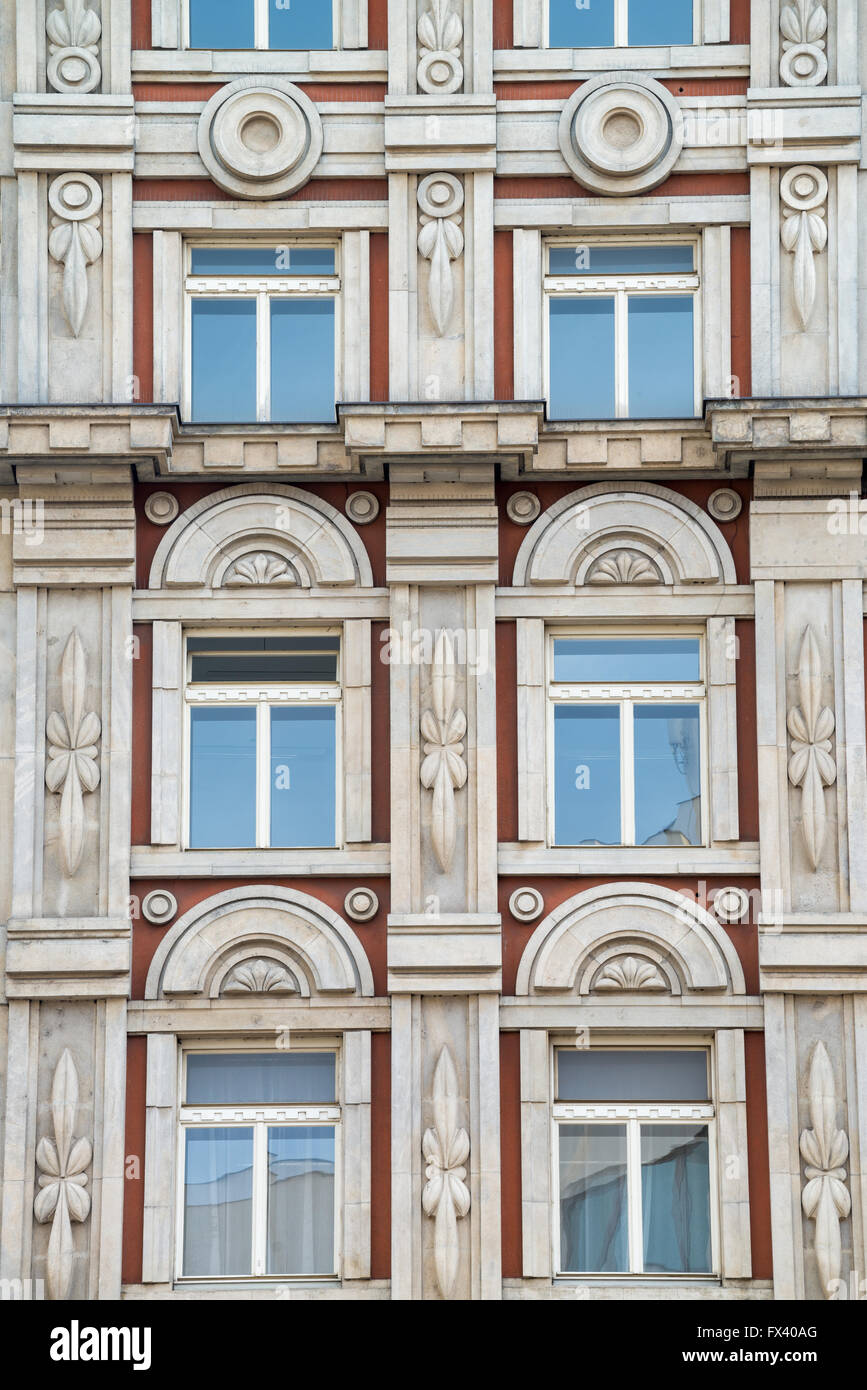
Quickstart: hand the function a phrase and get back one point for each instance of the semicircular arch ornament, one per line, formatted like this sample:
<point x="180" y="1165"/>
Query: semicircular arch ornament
<point x="260" y="138"/>
<point x="621" y="132"/>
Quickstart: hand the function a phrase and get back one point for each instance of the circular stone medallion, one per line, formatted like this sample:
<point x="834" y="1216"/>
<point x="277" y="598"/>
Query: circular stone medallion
<point x="621" y="133"/>
<point x="260" y="138"/>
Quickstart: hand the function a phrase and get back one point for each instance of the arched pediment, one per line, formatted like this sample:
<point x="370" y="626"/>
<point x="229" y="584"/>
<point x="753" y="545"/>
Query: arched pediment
<point x="635" y="534"/>
<point x="260" y="534"/>
<point x="267" y="939"/>
<point x="630" y="938"/>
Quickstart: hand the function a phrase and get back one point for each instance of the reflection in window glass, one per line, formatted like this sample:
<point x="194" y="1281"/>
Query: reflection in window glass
<point x="627" y="659"/>
<point x="301" y="1199"/>
<point x="582" y="359"/>
<point x="587" y="774"/>
<point x="593" y="1214"/>
<point x="590" y="25"/>
<point x="223" y="778"/>
<point x="675" y="1199"/>
<point x="262" y="260"/>
<point x="218" y="1201"/>
<point x="302" y="359"/>
<point x="606" y="259"/>
<point x="221" y="24"/>
<point x="300" y="24"/>
<point x="661" y="371"/>
<point x="303" y="776"/>
<point x="630" y="1075"/>
<point x="659" y="22"/>
<point x="667" y="775"/>
<point x="224" y="360"/>
<point x="253" y="1078"/>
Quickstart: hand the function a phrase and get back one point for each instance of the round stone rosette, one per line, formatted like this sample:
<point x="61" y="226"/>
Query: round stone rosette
<point x="260" y="138"/>
<point x="621" y="133"/>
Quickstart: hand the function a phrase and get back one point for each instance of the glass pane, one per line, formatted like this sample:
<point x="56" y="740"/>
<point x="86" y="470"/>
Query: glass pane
<point x="675" y="1199"/>
<point x="224" y="359"/>
<point x="620" y="260"/>
<point x="667" y="775"/>
<point x="303" y="776"/>
<point x="593" y="1219"/>
<point x="262" y="260"/>
<point x="660" y="356"/>
<point x="223" y="778"/>
<point x="253" y="1078"/>
<point x="580" y="23"/>
<point x="301" y="1200"/>
<point x="659" y="21"/>
<point x="589" y="1074"/>
<point x="221" y="24"/>
<point x="587" y="775"/>
<point x="624" y="660"/>
<point x="302" y="359"/>
<point x="582" y="359"/>
<point x="237" y="660"/>
<point x="218" y="1201"/>
<point x="300" y="24"/>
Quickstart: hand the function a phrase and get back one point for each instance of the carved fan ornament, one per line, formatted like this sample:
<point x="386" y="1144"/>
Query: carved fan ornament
<point x="623" y="567"/>
<point x="262" y="568"/>
<point x="825" y="1149"/>
<point x="627" y="973"/>
<point x="811" y="765"/>
<point x="62" y="1162"/>
<point x="446" y="1196"/>
<point x="259" y="977"/>
<point x="443" y="769"/>
<point x="72" y="766"/>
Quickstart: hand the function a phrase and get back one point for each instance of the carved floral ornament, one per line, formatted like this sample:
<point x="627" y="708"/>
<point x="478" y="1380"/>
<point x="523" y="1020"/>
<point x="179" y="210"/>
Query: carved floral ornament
<point x="629" y="974"/>
<point x="811" y="765"/>
<point x="623" y="567"/>
<point x="440" y="241"/>
<point x="73" y="739"/>
<point x="804" y="230"/>
<point x="443" y="769"/>
<point x="259" y="976"/>
<point x="62" y="1162"/>
<point x="73" y="55"/>
<point x="445" y="1196"/>
<point x="440" y="31"/>
<point x="803" y="62"/>
<point x="825" y="1149"/>
<point x="75" y="240"/>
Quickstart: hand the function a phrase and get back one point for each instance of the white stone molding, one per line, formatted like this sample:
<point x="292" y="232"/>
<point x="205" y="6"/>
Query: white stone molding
<point x="446" y="1148"/>
<point x="443" y="769"/>
<point x="440" y="241"/>
<point x="168" y="313"/>
<point x="161" y="1109"/>
<point x="260" y="137"/>
<point x="440" y="31"/>
<point x="526" y="904"/>
<point x="523" y="508"/>
<point x="161" y="508"/>
<point x="259" y="976"/>
<point x="204" y="542"/>
<point x="361" y="904"/>
<point x="260" y="569"/>
<point x="63" y="1163"/>
<point x="362" y="508"/>
<point x="159" y="907"/>
<point x="73" y="30"/>
<point x="623" y="567"/>
<point x="75" y="240"/>
<point x="722" y="706"/>
<point x="804" y="230"/>
<point x="621" y="132"/>
<point x="532" y="738"/>
<point x="527" y="297"/>
<point x="630" y="975"/>
<point x="73" y="738"/>
<point x="166" y="732"/>
<point x="803" y="61"/>
<point x="731" y="904"/>
<point x="724" y="504"/>
<point x="356" y="1096"/>
<point x="315" y="945"/>
<point x="563" y="951"/>
<point x="570" y="536"/>
<point x="811" y="765"/>
<point x="825" y="1149"/>
<point x="715" y="313"/>
<point x="356" y="676"/>
<point x="354" y="363"/>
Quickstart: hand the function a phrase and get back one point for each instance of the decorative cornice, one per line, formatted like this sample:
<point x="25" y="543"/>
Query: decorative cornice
<point x="811" y="765"/>
<point x="62" y="1162"/>
<point x="446" y="1197"/>
<point x="443" y="768"/>
<point x="72" y="766"/>
<point x="825" y="1149"/>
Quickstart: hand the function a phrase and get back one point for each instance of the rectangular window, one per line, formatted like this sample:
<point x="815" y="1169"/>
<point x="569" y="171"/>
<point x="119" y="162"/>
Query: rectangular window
<point x="259" y="1140"/>
<point x="263" y="741"/>
<point x="634" y="1138"/>
<point x="622" y="331"/>
<point x="627" y="732"/>
<point x="303" y="24"/>
<point x="618" y="23"/>
<point x="262" y="333"/>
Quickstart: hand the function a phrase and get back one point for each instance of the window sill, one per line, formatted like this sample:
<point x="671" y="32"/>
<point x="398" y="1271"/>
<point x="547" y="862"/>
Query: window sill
<point x="367" y="1289"/>
<point x="533" y="858"/>
<point x="732" y="59"/>
<point x="299" y="65"/>
<point x="156" y="861"/>
<point x="638" y="1288"/>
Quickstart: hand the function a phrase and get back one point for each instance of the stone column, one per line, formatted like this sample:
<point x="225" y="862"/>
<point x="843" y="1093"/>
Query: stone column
<point x="444" y="949"/>
<point x="68" y="947"/>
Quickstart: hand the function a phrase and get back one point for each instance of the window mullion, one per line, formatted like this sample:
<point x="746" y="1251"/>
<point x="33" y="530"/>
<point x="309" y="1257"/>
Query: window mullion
<point x="633" y="1184"/>
<point x="263" y="792"/>
<point x="260" y="1197"/>
<point x="260" y="19"/>
<point x="263" y="355"/>
<point x="621" y="23"/>
<point x="627" y="771"/>
<point x="621" y="354"/>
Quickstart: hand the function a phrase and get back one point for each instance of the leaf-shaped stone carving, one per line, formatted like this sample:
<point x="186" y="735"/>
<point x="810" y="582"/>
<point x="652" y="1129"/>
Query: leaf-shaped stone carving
<point x="73" y="26"/>
<point x="629" y="973"/>
<point x="443" y="769"/>
<point x="825" y="1198"/>
<point x="623" y="567"/>
<point x="811" y="764"/>
<point x="446" y="1197"/>
<point x="71" y="767"/>
<point x="262" y="568"/>
<point x="259" y="977"/>
<point x="76" y="245"/>
<point x="62" y="1163"/>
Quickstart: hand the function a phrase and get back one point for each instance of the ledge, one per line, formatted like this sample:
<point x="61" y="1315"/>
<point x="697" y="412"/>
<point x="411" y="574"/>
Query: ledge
<point x="825" y="427"/>
<point x="205" y="65"/>
<point x="641" y="447"/>
<point x="362" y="860"/>
<point x="534" y="859"/>
<point x="680" y="60"/>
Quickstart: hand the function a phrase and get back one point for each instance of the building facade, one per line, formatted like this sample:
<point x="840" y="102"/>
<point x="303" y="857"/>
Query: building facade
<point x="433" y="784"/>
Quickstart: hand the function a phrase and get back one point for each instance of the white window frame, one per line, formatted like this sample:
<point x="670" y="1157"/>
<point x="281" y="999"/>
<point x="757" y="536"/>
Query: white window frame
<point x="263" y="289"/>
<point x="620" y="287"/>
<point x="260" y="24"/>
<point x="264" y="697"/>
<point x="621" y="27"/>
<point x="632" y="1114"/>
<point x="259" y="1117"/>
<point x="626" y="696"/>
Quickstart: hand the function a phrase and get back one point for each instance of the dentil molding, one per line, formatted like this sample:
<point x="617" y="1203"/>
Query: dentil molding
<point x="621" y="132"/>
<point x="260" y="137"/>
